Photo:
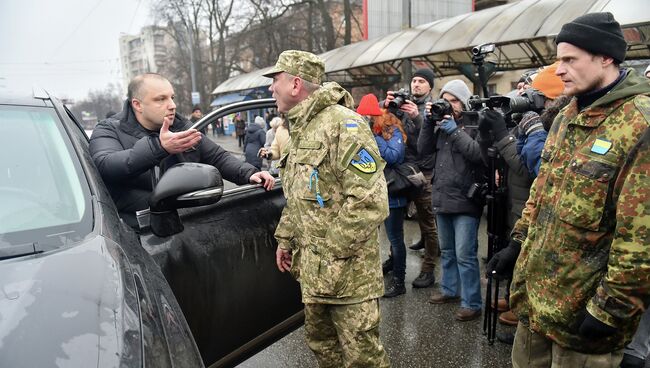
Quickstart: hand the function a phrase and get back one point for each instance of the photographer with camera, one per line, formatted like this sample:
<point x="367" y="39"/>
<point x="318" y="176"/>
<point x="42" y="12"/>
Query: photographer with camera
<point x="581" y="271"/>
<point x="409" y="108"/>
<point x="458" y="166"/>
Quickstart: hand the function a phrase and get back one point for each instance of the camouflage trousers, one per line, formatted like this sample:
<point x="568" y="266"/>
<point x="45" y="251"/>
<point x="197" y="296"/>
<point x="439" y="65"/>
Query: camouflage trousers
<point x="536" y="351"/>
<point x="345" y="335"/>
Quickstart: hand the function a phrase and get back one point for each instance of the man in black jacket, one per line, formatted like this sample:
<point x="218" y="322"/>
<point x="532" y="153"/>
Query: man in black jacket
<point x="148" y="136"/>
<point x="458" y="165"/>
<point x="412" y="115"/>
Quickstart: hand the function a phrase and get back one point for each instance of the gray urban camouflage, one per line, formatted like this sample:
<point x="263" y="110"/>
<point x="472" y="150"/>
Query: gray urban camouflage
<point x="586" y="225"/>
<point x="345" y="335"/>
<point x="336" y="194"/>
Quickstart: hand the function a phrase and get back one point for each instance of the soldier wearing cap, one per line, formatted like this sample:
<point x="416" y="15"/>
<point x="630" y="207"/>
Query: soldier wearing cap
<point x="336" y="198"/>
<point x="582" y="246"/>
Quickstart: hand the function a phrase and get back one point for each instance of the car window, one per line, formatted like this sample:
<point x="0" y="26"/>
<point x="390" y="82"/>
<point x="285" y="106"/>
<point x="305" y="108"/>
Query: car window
<point x="44" y="195"/>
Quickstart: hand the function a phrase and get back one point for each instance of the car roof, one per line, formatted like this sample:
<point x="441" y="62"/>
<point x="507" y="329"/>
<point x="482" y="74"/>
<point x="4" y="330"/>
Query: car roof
<point x="25" y="97"/>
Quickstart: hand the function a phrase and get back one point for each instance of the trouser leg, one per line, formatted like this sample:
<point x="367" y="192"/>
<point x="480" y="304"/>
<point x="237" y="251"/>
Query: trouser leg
<point x="358" y="331"/>
<point x="322" y="337"/>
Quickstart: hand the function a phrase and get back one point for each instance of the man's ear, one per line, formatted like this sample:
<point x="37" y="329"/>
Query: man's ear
<point x="607" y="60"/>
<point x="296" y="86"/>
<point x="136" y="105"/>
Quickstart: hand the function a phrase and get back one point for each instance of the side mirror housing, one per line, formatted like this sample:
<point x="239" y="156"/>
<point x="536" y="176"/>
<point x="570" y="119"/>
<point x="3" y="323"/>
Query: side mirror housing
<point x="183" y="185"/>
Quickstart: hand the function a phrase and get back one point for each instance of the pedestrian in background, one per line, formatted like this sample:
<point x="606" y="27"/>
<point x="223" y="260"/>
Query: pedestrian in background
<point x="336" y="198"/>
<point x="254" y="141"/>
<point x="240" y="129"/>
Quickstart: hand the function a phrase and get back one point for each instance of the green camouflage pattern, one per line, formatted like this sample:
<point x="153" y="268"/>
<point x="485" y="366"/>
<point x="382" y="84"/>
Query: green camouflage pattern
<point x="345" y="335"/>
<point x="335" y="247"/>
<point x="302" y="64"/>
<point x="585" y="227"/>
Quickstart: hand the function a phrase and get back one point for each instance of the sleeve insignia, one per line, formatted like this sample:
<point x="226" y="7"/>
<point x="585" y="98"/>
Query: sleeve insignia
<point x="352" y="127"/>
<point x="364" y="162"/>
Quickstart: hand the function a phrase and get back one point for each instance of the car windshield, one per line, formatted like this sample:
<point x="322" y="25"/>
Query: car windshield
<point x="44" y="196"/>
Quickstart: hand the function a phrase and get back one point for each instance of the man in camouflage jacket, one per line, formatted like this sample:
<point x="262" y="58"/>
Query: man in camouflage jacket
<point x="336" y="198"/>
<point x="582" y="278"/>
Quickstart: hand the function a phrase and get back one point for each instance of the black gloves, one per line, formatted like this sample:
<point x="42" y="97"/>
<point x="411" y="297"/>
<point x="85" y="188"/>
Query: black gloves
<point x="591" y="328"/>
<point x="630" y="361"/>
<point x="494" y="121"/>
<point x="503" y="262"/>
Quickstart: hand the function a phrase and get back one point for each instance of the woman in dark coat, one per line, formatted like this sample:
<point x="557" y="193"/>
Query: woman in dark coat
<point x="240" y="129"/>
<point x="255" y="138"/>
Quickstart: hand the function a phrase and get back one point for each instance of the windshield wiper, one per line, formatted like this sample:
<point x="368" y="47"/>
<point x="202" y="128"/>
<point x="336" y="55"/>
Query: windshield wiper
<point x="20" y="250"/>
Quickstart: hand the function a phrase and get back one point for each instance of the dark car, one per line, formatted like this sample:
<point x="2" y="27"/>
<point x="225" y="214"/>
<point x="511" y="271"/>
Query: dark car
<point x="80" y="288"/>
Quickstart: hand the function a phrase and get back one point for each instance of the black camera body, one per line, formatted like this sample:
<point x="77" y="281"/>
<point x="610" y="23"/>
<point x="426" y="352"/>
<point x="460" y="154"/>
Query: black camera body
<point x="401" y="96"/>
<point x="440" y="108"/>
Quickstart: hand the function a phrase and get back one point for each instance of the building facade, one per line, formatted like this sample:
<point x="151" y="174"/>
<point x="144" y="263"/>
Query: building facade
<point x="143" y="53"/>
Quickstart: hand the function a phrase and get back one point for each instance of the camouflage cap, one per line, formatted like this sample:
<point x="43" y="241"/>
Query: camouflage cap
<point x="302" y="64"/>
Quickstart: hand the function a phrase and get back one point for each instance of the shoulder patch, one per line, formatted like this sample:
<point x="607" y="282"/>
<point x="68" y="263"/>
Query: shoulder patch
<point x="364" y="162"/>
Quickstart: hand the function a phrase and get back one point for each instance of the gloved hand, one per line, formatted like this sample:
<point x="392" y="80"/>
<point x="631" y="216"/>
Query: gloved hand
<point x="497" y="124"/>
<point x="591" y="328"/>
<point x="449" y="125"/>
<point x="630" y="361"/>
<point x="530" y="123"/>
<point x="503" y="262"/>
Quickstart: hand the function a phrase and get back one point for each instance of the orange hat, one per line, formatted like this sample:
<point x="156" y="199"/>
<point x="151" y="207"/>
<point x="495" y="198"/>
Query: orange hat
<point x="548" y="83"/>
<point x="369" y="105"/>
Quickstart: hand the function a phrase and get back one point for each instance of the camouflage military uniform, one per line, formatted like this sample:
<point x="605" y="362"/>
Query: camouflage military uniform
<point x="336" y="198"/>
<point x="586" y="224"/>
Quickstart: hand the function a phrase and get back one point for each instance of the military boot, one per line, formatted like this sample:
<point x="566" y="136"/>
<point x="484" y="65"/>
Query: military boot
<point x="395" y="288"/>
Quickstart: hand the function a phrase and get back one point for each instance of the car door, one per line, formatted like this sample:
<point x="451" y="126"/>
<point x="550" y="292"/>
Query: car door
<point x="222" y="269"/>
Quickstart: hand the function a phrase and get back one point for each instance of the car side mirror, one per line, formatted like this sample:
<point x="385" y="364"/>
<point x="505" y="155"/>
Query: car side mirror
<point x="183" y="185"/>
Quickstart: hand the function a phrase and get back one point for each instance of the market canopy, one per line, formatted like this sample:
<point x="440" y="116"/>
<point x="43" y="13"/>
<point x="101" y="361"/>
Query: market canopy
<point x="522" y="31"/>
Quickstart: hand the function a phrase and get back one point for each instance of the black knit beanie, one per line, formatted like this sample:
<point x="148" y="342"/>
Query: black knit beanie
<point x="425" y="73"/>
<point x="598" y="33"/>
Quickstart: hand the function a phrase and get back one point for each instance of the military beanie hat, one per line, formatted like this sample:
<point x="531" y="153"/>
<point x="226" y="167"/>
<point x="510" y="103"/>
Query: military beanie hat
<point x="598" y="33"/>
<point x="302" y="64"/>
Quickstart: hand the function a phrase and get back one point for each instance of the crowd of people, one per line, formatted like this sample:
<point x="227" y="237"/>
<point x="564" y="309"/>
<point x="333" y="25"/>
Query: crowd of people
<point x="575" y="173"/>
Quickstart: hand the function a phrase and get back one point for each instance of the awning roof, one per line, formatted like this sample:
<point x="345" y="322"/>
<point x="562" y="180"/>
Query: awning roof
<point x="523" y="32"/>
<point x="228" y="99"/>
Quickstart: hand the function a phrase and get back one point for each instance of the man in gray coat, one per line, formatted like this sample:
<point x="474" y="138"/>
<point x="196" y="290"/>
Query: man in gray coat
<point x="148" y="136"/>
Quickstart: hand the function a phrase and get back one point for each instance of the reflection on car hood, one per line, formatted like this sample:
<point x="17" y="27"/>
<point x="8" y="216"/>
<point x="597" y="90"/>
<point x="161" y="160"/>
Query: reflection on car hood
<point x="72" y="308"/>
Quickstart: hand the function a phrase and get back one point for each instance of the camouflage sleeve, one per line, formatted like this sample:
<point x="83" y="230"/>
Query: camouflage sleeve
<point x="359" y="170"/>
<point x="625" y="290"/>
<point x="283" y="233"/>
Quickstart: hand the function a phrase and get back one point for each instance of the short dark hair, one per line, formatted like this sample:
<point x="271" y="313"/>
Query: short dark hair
<point x="196" y="107"/>
<point x="134" y="90"/>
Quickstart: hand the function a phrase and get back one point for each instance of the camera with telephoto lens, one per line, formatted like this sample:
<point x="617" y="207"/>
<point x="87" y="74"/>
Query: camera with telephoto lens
<point x="477" y="192"/>
<point x="440" y="108"/>
<point x="401" y="96"/>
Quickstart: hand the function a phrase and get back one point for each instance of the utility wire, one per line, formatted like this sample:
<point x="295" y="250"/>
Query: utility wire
<point x="56" y="51"/>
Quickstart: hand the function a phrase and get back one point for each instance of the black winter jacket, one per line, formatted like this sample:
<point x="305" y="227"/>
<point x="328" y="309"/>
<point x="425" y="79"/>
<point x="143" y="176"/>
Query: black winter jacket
<point x="126" y="154"/>
<point x="518" y="179"/>
<point x="458" y="165"/>
<point x="254" y="140"/>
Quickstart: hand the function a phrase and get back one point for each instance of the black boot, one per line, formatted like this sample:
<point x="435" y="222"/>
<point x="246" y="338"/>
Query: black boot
<point x="395" y="288"/>
<point x="506" y="337"/>
<point x="417" y="246"/>
<point x="387" y="266"/>
<point x="630" y="361"/>
<point x="424" y="279"/>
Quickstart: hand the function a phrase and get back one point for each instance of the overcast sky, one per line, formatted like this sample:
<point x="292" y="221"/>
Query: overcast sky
<point x="67" y="47"/>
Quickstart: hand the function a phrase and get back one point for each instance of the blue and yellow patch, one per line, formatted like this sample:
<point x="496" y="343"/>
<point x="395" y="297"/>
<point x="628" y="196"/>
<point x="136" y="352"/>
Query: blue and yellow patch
<point x="364" y="162"/>
<point x="601" y="146"/>
<point x="352" y="127"/>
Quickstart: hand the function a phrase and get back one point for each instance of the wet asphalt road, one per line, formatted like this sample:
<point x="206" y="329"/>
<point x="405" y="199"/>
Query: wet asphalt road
<point x="414" y="332"/>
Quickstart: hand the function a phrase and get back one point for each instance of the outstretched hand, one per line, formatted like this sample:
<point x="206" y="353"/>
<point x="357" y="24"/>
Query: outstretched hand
<point x="177" y="142"/>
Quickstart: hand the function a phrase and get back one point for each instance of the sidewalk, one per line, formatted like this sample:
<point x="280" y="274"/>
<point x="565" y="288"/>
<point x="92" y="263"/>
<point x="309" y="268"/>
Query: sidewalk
<point x="229" y="143"/>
